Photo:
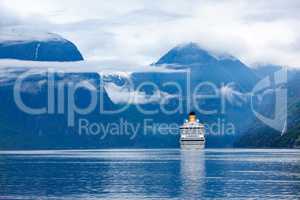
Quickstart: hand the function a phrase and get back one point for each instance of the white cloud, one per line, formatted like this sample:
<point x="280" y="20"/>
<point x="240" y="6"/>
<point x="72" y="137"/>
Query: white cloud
<point x="11" y="69"/>
<point x="21" y="33"/>
<point x="99" y="67"/>
<point x="132" y="32"/>
<point x="127" y="95"/>
<point x="233" y="96"/>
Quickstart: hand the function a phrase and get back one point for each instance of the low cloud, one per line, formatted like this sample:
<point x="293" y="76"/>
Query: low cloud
<point x="233" y="96"/>
<point x="127" y="95"/>
<point x="139" y="32"/>
<point x="99" y="67"/>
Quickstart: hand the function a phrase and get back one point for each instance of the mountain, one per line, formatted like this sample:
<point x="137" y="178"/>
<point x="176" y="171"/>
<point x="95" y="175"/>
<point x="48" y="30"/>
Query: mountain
<point x="26" y="44"/>
<point x="231" y="77"/>
<point x="262" y="136"/>
<point x="187" y="54"/>
<point x="206" y="66"/>
<point x="265" y="70"/>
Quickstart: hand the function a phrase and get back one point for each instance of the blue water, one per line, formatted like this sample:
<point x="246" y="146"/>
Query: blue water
<point x="150" y="174"/>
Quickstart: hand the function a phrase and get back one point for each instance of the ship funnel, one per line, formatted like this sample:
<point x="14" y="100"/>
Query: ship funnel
<point x="192" y="117"/>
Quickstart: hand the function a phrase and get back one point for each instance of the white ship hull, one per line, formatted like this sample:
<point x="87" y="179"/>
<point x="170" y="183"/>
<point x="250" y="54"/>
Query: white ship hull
<point x="192" y="144"/>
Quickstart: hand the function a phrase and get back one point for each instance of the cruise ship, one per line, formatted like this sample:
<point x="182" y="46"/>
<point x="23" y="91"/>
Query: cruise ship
<point x="192" y="133"/>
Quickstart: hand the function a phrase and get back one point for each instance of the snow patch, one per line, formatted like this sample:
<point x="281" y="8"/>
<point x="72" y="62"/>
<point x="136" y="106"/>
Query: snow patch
<point x="36" y="53"/>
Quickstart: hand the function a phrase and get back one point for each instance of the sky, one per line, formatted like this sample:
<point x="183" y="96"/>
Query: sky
<point x="128" y="33"/>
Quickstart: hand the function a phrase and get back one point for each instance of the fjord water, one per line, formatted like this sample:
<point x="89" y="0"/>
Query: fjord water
<point x="150" y="174"/>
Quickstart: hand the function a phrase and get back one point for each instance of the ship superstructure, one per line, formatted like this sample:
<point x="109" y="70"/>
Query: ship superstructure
<point x="192" y="133"/>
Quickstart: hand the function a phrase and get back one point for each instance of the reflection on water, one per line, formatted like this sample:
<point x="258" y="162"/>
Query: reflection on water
<point x="150" y="174"/>
<point x="192" y="172"/>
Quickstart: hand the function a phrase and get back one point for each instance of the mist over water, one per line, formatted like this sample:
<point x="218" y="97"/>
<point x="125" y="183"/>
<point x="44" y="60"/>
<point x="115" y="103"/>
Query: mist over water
<point x="150" y="174"/>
